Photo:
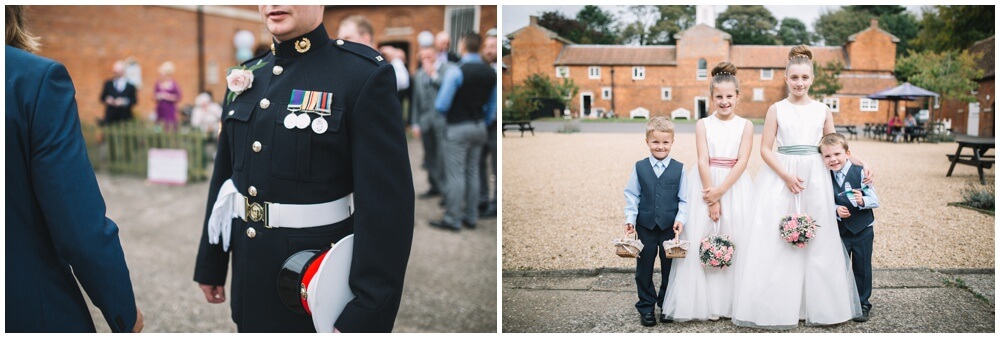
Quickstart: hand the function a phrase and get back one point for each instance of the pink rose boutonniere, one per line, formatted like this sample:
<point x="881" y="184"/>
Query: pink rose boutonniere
<point x="240" y="79"/>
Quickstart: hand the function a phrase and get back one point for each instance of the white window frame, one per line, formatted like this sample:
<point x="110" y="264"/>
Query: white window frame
<point x="766" y="74"/>
<point x="594" y="72"/>
<point x="562" y="72"/>
<point x="867" y="104"/>
<point x="606" y="93"/>
<point x="833" y="103"/>
<point x="758" y="94"/>
<point x="638" y="73"/>
<point x="666" y="93"/>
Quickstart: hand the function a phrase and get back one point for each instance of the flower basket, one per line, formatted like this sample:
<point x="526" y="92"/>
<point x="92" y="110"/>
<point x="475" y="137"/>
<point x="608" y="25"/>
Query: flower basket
<point x="675" y="248"/>
<point x="627" y="247"/>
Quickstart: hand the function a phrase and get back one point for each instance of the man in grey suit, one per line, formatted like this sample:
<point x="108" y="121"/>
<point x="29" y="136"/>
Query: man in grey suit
<point x="467" y="98"/>
<point x="426" y="123"/>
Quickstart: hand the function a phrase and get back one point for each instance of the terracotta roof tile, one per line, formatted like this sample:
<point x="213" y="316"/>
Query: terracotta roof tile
<point x="865" y="85"/>
<point x="753" y="56"/>
<point x="587" y="55"/>
<point x="988" y="61"/>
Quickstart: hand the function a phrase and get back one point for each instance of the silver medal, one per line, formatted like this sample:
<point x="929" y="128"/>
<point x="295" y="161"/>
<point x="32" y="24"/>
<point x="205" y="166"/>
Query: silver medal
<point x="302" y="121"/>
<point x="290" y="121"/>
<point x="319" y="125"/>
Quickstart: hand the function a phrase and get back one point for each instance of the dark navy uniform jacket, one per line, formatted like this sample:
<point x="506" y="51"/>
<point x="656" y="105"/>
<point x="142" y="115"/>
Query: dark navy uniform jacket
<point x="363" y="151"/>
<point x="56" y="232"/>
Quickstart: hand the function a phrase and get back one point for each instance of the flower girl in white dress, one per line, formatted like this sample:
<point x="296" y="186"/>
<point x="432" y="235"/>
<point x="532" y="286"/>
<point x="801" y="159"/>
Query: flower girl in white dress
<point x="779" y="283"/>
<point x="724" y="141"/>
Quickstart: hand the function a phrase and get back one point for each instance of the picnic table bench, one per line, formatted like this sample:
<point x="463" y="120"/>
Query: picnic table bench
<point x="977" y="159"/>
<point x="849" y="129"/>
<point x="519" y="125"/>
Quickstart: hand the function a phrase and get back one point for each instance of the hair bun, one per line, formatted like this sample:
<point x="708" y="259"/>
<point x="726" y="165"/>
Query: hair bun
<point x="800" y="51"/>
<point x="724" y="68"/>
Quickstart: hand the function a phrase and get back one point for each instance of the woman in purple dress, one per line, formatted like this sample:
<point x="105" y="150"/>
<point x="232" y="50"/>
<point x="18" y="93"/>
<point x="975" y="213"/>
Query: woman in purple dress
<point x="167" y="93"/>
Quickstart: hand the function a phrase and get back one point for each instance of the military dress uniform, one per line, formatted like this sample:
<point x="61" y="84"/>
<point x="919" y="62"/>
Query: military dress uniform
<point x="313" y="151"/>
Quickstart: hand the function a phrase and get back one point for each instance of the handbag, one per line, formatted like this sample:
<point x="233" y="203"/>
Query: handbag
<point x="627" y="247"/>
<point x="675" y="248"/>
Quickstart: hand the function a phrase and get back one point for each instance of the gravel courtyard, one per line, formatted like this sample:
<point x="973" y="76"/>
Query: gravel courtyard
<point x="563" y="201"/>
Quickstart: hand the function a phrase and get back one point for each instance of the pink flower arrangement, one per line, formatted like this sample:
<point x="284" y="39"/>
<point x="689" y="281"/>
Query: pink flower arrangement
<point x="797" y="229"/>
<point x="239" y="80"/>
<point x="716" y="251"/>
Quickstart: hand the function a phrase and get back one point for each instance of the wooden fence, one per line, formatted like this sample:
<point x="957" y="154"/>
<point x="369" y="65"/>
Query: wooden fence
<point x="127" y="147"/>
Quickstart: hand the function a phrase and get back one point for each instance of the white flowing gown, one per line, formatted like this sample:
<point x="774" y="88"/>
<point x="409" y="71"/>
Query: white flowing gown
<point x="703" y="293"/>
<point x="779" y="284"/>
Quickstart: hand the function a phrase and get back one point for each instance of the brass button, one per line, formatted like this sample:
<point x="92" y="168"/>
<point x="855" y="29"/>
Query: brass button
<point x="253" y="191"/>
<point x="264" y="103"/>
<point x="277" y="70"/>
<point x="231" y="112"/>
<point x="251" y="232"/>
<point x="256" y="146"/>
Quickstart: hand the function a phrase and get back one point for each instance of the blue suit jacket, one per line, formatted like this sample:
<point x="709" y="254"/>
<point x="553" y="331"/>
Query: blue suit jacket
<point x="56" y="231"/>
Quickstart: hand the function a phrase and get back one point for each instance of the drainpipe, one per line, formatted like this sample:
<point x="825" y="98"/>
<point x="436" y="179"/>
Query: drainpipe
<point x="613" y="91"/>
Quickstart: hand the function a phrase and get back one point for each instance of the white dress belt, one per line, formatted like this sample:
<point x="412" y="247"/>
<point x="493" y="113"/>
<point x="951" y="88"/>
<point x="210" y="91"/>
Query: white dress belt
<point x="231" y="204"/>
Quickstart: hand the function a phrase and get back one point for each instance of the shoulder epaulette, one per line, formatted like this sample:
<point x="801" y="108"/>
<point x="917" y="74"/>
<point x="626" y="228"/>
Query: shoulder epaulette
<point x="363" y="51"/>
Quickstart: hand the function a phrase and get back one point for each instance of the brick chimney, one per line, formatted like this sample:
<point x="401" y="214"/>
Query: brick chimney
<point x="534" y="20"/>
<point x="874" y="23"/>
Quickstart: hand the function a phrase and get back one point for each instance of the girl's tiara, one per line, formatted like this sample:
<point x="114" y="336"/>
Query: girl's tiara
<point x="723" y="73"/>
<point x="799" y="56"/>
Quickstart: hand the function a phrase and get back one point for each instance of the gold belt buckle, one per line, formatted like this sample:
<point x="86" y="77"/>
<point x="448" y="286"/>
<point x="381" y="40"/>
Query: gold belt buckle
<point x="255" y="212"/>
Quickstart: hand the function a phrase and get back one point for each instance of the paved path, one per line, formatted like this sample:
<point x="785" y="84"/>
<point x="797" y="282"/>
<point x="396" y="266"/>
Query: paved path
<point x="602" y="300"/>
<point x="450" y="286"/>
<point x="609" y="127"/>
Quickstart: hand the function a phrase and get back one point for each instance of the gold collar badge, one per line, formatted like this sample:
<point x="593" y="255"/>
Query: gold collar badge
<point x="303" y="45"/>
<point x="272" y="48"/>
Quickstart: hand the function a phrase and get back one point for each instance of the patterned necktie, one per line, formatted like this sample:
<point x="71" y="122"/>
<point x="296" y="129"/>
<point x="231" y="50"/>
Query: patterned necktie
<point x="840" y="178"/>
<point x="658" y="168"/>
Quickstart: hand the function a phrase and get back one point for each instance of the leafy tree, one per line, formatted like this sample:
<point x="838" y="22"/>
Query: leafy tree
<point x="833" y="27"/>
<point x="793" y="32"/>
<point x="568" y="28"/>
<point x="675" y="19"/>
<point x="954" y="27"/>
<point x="599" y="25"/>
<point x="518" y="104"/>
<point x="647" y="29"/>
<point x="826" y="81"/>
<point x="749" y="25"/>
<point x="505" y="47"/>
<point x="951" y="74"/>
<point x="541" y="86"/>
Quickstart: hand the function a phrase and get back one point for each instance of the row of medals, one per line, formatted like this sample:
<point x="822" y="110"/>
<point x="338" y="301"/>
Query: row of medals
<point x="301" y="121"/>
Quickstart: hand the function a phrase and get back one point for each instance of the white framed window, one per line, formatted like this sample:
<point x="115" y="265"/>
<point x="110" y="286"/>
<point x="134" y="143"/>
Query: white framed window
<point x="869" y="104"/>
<point x="833" y="103"/>
<point x="562" y="72"/>
<point x="766" y="74"/>
<point x="638" y="73"/>
<point x="758" y="94"/>
<point x="606" y="93"/>
<point x="702" y="69"/>
<point x="594" y="72"/>
<point x="666" y="93"/>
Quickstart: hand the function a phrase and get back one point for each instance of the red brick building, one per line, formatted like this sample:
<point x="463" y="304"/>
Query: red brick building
<point x="89" y="39"/>
<point x="663" y="79"/>
<point x="976" y="118"/>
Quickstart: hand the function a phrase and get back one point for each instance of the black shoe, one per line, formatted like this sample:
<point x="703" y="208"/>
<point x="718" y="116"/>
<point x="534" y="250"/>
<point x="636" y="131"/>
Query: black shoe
<point x="664" y="319"/>
<point x="429" y="194"/>
<point x="491" y="212"/>
<point x="864" y="316"/>
<point x="647" y="319"/>
<point x="444" y="225"/>
<point x="469" y="225"/>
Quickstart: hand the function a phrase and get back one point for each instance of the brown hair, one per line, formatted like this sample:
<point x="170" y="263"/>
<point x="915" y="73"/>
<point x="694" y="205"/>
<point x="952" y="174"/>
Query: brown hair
<point x="17" y="32"/>
<point x="724" y="72"/>
<point x="833" y="139"/>
<point x="800" y="54"/>
<point x="362" y="24"/>
<point x="661" y="124"/>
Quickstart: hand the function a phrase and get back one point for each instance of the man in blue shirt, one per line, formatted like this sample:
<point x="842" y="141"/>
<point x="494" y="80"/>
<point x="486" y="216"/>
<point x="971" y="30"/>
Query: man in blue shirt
<point x="468" y="101"/>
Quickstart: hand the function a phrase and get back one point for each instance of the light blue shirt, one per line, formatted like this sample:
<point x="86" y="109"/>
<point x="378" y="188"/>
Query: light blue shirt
<point x="632" y="193"/>
<point x="453" y="80"/>
<point x="868" y="192"/>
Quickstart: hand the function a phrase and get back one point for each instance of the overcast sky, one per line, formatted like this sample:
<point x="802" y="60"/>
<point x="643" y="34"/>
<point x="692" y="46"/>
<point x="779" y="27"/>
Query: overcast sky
<point x="516" y="17"/>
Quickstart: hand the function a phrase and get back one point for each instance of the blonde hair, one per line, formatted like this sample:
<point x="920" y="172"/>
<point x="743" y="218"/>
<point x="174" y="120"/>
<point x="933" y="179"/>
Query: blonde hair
<point x="661" y="124"/>
<point x="167" y="68"/>
<point x="799" y="55"/>
<point x="722" y="73"/>
<point x="833" y="139"/>
<point x="17" y="32"/>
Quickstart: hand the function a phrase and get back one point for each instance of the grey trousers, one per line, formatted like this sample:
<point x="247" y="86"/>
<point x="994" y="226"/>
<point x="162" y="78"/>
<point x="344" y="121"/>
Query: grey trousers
<point x="489" y="156"/>
<point x="462" y="148"/>
<point x="432" y="132"/>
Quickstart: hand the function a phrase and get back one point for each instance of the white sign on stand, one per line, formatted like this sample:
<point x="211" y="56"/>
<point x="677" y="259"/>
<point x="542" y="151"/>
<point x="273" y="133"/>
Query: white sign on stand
<point x="167" y="166"/>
